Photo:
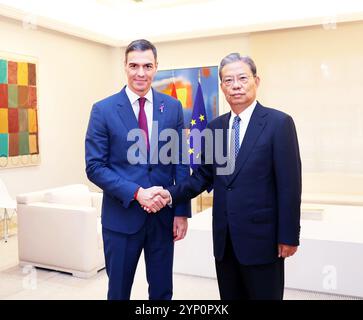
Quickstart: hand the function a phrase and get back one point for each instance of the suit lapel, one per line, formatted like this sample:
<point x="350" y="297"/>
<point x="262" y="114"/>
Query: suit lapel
<point x="126" y="112"/>
<point x="127" y="115"/>
<point x="225" y="126"/>
<point x="255" y="127"/>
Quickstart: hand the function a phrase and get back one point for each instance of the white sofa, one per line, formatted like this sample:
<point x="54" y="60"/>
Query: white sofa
<point x="194" y="254"/>
<point x="60" y="229"/>
<point x="332" y="188"/>
<point x="328" y="259"/>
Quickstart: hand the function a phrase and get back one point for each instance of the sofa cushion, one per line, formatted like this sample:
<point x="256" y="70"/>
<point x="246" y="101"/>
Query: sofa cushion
<point x="333" y="198"/>
<point x="76" y="195"/>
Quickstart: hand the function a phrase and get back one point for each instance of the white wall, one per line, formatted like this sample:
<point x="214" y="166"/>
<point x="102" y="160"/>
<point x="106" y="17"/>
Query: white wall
<point x="72" y="75"/>
<point x="312" y="73"/>
<point x="315" y="75"/>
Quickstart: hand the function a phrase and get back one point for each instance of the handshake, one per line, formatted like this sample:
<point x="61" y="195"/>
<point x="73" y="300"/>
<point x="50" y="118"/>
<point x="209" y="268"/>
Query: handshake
<point x="153" y="199"/>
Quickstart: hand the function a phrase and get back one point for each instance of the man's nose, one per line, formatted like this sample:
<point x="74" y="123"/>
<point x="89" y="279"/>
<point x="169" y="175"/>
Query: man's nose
<point x="140" y="72"/>
<point x="236" y="84"/>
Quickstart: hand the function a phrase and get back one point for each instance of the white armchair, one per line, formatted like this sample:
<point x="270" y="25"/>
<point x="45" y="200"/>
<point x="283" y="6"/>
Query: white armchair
<point x="6" y="204"/>
<point x="60" y="229"/>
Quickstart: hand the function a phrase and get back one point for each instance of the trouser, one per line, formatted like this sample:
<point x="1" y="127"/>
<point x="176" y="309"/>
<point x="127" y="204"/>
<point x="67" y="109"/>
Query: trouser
<point x="249" y="282"/>
<point x="122" y="253"/>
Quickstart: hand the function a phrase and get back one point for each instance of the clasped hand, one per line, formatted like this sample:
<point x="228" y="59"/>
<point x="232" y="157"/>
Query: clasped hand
<point x="153" y="199"/>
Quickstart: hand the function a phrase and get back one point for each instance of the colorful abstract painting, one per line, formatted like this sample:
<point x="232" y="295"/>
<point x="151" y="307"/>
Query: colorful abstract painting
<point x="183" y="84"/>
<point x="18" y="113"/>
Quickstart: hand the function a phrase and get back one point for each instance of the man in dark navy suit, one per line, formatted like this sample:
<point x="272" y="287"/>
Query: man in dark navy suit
<point x="256" y="206"/>
<point x="126" y="177"/>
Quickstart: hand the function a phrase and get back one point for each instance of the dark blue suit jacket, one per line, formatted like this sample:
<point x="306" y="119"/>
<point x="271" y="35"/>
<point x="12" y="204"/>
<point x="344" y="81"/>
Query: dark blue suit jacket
<point x="260" y="201"/>
<point x="108" y="167"/>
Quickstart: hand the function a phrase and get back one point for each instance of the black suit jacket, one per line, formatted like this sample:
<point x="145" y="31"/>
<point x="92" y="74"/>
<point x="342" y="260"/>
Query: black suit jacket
<point x="260" y="201"/>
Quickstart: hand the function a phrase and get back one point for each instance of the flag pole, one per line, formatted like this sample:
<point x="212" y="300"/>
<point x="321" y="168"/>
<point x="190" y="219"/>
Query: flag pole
<point x="201" y="195"/>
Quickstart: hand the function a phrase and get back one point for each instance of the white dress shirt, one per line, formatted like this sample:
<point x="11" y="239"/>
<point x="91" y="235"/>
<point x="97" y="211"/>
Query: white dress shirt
<point x="134" y="100"/>
<point x="245" y="116"/>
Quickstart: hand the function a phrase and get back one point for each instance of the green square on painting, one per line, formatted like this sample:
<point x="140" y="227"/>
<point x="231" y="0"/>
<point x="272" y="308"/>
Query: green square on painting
<point x="4" y="145"/>
<point x="23" y="120"/>
<point x="23" y="143"/>
<point x="12" y="96"/>
<point x="3" y="71"/>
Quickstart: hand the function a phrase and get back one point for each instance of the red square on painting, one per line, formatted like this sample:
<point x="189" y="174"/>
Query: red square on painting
<point x="32" y="78"/>
<point x="3" y="95"/>
<point x="13" y="120"/>
<point x="12" y="72"/>
<point x="23" y="96"/>
<point x="13" y="144"/>
<point x="32" y="94"/>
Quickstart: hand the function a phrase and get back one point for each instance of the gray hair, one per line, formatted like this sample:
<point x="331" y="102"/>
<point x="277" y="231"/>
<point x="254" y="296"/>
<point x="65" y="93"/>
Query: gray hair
<point x="234" y="57"/>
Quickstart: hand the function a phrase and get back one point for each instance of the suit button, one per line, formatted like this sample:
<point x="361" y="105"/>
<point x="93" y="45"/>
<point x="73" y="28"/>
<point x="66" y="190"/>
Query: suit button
<point x="229" y="189"/>
<point x="150" y="169"/>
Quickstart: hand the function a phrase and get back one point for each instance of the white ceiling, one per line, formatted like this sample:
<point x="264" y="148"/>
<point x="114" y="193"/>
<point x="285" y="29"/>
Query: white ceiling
<point x="117" y="22"/>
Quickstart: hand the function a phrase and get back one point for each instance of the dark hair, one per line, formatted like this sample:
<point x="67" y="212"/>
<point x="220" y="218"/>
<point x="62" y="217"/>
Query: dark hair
<point x="233" y="57"/>
<point x="140" y="45"/>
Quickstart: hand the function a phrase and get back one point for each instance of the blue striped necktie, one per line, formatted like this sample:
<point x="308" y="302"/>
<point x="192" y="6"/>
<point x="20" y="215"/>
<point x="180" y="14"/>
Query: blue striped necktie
<point x="235" y="136"/>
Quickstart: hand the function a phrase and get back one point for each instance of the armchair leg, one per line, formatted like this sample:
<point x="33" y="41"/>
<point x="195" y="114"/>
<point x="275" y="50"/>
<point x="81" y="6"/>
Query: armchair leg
<point x="6" y="225"/>
<point x="84" y="275"/>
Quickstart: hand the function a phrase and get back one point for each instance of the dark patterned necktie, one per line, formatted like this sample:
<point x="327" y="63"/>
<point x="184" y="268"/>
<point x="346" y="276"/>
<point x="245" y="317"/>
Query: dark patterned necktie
<point x="143" y="121"/>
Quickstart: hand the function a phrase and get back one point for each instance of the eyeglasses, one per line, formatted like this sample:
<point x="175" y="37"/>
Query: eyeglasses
<point x="228" y="81"/>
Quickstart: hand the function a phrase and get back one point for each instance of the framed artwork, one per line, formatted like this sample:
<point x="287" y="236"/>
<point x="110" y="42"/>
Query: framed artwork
<point x="19" y="132"/>
<point x="183" y="85"/>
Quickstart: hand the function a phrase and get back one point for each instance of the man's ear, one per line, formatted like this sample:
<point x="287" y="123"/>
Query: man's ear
<point x="257" y="81"/>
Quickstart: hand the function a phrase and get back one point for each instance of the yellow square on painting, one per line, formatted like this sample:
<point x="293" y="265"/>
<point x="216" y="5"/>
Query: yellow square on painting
<point x="167" y="91"/>
<point x="4" y="128"/>
<point x="32" y="120"/>
<point x="22" y="73"/>
<point x="182" y="96"/>
<point x="33" y="146"/>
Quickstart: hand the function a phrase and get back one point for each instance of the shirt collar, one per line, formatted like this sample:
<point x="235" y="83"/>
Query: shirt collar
<point x="133" y="97"/>
<point x="245" y="115"/>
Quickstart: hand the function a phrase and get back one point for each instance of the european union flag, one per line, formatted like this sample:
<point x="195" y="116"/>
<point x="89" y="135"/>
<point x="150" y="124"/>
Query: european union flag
<point x="199" y="121"/>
